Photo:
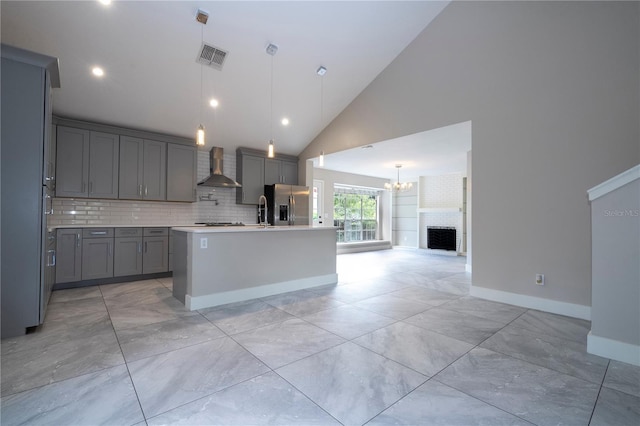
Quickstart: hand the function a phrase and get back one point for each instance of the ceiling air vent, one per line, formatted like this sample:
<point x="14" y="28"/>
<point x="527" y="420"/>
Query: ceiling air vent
<point x="212" y="56"/>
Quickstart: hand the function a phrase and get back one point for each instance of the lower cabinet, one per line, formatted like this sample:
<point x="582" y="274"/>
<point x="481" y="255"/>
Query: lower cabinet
<point x="155" y="257"/>
<point x="127" y="257"/>
<point x="97" y="253"/>
<point x="68" y="255"/>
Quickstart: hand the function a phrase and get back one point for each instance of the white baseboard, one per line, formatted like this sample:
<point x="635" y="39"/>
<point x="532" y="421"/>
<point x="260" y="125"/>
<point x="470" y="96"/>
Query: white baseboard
<point x="531" y="302"/>
<point x="216" y="299"/>
<point x="614" y="349"/>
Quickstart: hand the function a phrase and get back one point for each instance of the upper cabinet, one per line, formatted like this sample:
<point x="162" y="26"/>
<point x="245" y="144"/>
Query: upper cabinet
<point x="254" y="170"/>
<point x="154" y="174"/>
<point x="181" y="172"/>
<point x="280" y="171"/>
<point x="126" y="164"/>
<point x="87" y="163"/>
<point x="143" y="172"/>
<point x="249" y="173"/>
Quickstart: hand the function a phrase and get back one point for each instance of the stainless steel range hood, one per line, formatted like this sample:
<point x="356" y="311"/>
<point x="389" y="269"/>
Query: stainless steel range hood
<point x="216" y="178"/>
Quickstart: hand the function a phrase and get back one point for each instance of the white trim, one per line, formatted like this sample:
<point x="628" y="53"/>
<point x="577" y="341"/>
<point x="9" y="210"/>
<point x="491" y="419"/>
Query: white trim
<point x="614" y="183"/>
<point x="216" y="299"/>
<point x="439" y="210"/>
<point x="467" y="267"/>
<point x="613" y="349"/>
<point x="532" y="302"/>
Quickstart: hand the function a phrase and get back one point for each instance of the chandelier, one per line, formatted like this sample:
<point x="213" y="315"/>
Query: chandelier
<point x="398" y="186"/>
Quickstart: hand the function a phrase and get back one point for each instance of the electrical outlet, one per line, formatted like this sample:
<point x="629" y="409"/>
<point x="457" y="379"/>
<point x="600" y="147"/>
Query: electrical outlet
<point x="203" y="243"/>
<point x="540" y="279"/>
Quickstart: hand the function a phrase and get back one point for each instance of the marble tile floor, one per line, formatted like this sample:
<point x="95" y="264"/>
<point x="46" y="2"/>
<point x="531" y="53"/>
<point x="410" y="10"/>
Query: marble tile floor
<point x="397" y="341"/>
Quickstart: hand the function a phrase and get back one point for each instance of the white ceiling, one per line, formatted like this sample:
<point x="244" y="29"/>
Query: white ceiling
<point x="152" y="81"/>
<point x="435" y="152"/>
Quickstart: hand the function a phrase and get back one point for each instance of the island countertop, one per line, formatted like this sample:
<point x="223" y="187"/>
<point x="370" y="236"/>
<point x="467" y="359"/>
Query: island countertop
<point x="224" y="264"/>
<point x="248" y="228"/>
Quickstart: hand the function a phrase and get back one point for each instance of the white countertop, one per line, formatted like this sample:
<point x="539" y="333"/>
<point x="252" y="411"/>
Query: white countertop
<point x="248" y="228"/>
<point x="138" y="225"/>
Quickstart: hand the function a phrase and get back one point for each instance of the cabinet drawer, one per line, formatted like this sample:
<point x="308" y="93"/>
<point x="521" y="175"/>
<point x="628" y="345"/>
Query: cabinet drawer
<point x="156" y="232"/>
<point x="128" y="232"/>
<point x="97" y="233"/>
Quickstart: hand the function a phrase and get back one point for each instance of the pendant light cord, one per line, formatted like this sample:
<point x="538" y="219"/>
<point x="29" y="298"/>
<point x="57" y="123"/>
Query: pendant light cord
<point x="271" y="106"/>
<point x="201" y="96"/>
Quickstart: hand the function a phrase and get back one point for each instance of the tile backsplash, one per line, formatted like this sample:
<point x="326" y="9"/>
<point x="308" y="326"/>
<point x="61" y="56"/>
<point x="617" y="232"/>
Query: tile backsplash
<point x="84" y="211"/>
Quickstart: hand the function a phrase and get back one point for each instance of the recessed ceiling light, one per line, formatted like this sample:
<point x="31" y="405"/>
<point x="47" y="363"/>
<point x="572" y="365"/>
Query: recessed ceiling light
<point x="285" y="121"/>
<point x="105" y="2"/>
<point x="97" y="71"/>
<point x="214" y="103"/>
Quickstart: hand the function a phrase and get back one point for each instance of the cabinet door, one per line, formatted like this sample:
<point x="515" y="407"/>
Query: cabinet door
<point x="155" y="257"/>
<point x="289" y="172"/>
<point x="68" y="255"/>
<point x="127" y="256"/>
<point x="272" y="171"/>
<point x="252" y="179"/>
<point x="154" y="170"/>
<point x="72" y="162"/>
<point x="97" y="258"/>
<point x="131" y="164"/>
<point x="181" y="173"/>
<point x="103" y="165"/>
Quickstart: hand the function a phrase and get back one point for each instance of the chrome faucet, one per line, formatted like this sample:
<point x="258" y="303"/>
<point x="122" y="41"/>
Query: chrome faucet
<point x="266" y="217"/>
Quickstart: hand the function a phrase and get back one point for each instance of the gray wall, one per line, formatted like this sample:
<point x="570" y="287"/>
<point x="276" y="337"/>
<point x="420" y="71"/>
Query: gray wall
<point x="552" y="90"/>
<point x="615" y="313"/>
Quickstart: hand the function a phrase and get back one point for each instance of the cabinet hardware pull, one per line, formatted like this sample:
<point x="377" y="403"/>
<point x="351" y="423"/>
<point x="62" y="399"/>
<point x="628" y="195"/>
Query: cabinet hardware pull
<point x="140" y="190"/>
<point x="78" y="240"/>
<point x="98" y="232"/>
<point x="52" y="254"/>
<point x="139" y="247"/>
<point x="146" y="190"/>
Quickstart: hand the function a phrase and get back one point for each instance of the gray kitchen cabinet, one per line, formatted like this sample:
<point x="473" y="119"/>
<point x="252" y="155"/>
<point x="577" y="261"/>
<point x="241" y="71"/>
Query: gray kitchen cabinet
<point x="68" y="255"/>
<point x="72" y="162"/>
<point x="142" y="169"/>
<point x="97" y="253"/>
<point x="155" y="256"/>
<point x="181" y="172"/>
<point x="127" y="252"/>
<point x="27" y="80"/>
<point x="280" y="171"/>
<point x="250" y="173"/>
<point x="104" y="151"/>
<point x="155" y="170"/>
<point x="87" y="163"/>
<point x="130" y="182"/>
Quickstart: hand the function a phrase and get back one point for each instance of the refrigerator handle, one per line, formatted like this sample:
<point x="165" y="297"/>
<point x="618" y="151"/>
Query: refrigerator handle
<point x="292" y="201"/>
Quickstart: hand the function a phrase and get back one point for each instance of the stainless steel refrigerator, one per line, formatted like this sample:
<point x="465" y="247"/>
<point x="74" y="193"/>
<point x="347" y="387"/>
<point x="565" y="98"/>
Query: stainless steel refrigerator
<point x="287" y="204"/>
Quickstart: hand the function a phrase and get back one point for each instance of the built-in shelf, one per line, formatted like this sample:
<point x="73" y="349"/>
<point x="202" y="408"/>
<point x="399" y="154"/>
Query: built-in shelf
<point x="440" y="210"/>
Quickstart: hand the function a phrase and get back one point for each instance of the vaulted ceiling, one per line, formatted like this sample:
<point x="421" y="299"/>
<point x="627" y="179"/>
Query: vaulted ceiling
<point x="148" y="51"/>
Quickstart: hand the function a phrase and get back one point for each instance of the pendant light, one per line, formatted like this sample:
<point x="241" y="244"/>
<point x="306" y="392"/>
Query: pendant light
<point x="201" y="17"/>
<point x="398" y="186"/>
<point x="321" y="72"/>
<point x="271" y="50"/>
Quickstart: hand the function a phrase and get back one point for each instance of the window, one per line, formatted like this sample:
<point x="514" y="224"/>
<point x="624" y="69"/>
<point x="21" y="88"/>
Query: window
<point x="355" y="214"/>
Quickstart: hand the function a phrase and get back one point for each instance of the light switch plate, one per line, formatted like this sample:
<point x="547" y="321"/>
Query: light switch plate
<point x="203" y="243"/>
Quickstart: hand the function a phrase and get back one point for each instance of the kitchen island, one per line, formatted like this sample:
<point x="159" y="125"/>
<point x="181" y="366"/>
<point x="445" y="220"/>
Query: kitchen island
<point x="218" y="265"/>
